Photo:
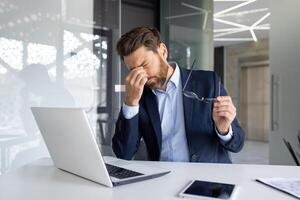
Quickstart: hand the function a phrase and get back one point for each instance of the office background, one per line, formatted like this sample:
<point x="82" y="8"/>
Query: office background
<point x="61" y="53"/>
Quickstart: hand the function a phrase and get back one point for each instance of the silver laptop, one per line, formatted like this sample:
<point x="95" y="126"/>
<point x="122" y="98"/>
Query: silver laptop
<point x="73" y="148"/>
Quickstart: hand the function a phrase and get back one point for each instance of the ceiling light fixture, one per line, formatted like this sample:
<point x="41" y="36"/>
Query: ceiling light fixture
<point x="233" y="39"/>
<point x="233" y="8"/>
<point x="253" y="35"/>
<point x="200" y="11"/>
<point x="231" y="23"/>
<point x="238" y="27"/>
<point x="183" y="15"/>
<point x="230" y="32"/>
<point x="246" y="12"/>
<point x="261" y="19"/>
<point x="230" y="0"/>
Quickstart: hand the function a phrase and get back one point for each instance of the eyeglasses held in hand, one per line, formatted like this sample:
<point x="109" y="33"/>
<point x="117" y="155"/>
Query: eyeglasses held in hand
<point x="193" y="95"/>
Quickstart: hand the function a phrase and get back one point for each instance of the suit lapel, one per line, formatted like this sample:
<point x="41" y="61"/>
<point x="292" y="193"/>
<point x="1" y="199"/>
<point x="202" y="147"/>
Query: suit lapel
<point x="152" y="108"/>
<point x="188" y="103"/>
<point x="188" y="108"/>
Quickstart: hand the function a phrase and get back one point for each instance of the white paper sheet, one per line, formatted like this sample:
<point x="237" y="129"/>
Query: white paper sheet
<point x="287" y="185"/>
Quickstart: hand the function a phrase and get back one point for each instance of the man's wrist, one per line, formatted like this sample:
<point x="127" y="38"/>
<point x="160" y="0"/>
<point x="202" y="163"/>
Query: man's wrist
<point x="227" y="136"/>
<point x="130" y="102"/>
<point x="223" y="131"/>
<point x="129" y="111"/>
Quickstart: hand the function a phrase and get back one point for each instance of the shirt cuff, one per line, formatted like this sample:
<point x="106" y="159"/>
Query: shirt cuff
<point x="226" y="137"/>
<point x="130" y="111"/>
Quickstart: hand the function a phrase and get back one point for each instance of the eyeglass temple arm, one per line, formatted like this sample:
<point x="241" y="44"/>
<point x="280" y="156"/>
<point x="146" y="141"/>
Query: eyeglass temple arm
<point x="189" y="75"/>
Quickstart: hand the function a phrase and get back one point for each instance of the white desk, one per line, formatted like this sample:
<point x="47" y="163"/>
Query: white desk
<point x="41" y="180"/>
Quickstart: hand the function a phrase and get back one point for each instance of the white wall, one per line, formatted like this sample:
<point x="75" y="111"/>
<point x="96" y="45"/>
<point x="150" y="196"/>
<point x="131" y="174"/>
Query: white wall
<point x="32" y="32"/>
<point x="285" y="64"/>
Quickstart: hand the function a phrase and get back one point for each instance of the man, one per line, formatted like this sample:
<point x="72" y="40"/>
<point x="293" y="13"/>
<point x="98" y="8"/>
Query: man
<point x="173" y="126"/>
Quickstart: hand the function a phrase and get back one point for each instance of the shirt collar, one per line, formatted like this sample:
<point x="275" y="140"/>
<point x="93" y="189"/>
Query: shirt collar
<point x="174" y="80"/>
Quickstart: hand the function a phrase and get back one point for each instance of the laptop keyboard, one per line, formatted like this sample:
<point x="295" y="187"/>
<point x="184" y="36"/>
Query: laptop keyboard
<point x="120" y="173"/>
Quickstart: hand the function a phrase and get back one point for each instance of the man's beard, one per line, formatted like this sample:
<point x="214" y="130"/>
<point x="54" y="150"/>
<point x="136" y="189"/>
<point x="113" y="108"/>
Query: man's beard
<point x="156" y="82"/>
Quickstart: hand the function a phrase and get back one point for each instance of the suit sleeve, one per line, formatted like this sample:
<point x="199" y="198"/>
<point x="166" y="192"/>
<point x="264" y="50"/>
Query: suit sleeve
<point x="126" y="139"/>
<point x="236" y="143"/>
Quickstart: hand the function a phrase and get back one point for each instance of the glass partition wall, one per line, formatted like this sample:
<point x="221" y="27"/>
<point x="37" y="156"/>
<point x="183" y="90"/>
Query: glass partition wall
<point x="56" y="54"/>
<point x="186" y="28"/>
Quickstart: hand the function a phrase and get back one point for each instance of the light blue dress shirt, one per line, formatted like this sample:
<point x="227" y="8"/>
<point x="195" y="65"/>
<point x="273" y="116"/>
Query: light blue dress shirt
<point x="170" y="106"/>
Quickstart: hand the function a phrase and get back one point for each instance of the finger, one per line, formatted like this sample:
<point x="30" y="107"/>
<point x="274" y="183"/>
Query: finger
<point x="222" y="103"/>
<point x="225" y="108"/>
<point x="136" y="76"/>
<point x="224" y="98"/>
<point x="225" y="105"/>
<point x="143" y="81"/>
<point x="222" y="108"/>
<point x="132" y="74"/>
<point x="139" y="78"/>
<point x="225" y="114"/>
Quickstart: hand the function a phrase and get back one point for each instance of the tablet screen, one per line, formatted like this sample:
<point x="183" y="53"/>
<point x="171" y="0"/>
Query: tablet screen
<point x="210" y="189"/>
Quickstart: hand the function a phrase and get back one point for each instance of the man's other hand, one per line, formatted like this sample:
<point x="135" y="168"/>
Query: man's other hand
<point x="224" y="113"/>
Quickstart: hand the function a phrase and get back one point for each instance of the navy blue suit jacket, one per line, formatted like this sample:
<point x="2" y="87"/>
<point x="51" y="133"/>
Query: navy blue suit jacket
<point x="203" y="142"/>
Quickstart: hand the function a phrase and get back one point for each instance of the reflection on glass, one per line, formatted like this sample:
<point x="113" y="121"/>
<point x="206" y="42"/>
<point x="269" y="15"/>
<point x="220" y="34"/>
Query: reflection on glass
<point x="33" y="83"/>
<point x="51" y="54"/>
<point x="11" y="53"/>
<point x="40" y="53"/>
<point x="70" y="42"/>
<point x="187" y="29"/>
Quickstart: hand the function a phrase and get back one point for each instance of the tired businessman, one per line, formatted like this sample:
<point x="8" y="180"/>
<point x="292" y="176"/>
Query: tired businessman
<point x="174" y="126"/>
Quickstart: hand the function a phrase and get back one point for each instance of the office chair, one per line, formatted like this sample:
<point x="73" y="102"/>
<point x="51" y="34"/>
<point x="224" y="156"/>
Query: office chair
<point x="291" y="150"/>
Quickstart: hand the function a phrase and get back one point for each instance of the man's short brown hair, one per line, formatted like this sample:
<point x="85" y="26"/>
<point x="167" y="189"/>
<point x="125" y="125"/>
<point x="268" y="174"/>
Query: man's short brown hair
<point x="137" y="37"/>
